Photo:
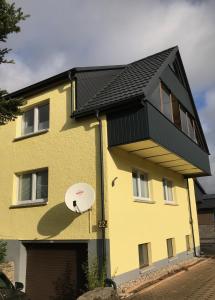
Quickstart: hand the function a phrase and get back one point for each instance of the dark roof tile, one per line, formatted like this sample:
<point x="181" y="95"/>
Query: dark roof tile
<point x="128" y="83"/>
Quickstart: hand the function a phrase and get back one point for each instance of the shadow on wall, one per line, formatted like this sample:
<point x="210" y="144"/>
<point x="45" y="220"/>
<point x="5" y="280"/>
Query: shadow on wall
<point x="56" y="220"/>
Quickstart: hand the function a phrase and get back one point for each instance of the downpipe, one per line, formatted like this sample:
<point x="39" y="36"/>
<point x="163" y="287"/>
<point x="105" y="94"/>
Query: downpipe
<point x="191" y="220"/>
<point x="102" y="222"/>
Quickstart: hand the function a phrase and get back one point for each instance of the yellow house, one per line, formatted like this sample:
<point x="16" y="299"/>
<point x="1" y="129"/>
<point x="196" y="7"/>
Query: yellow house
<point x="132" y="132"/>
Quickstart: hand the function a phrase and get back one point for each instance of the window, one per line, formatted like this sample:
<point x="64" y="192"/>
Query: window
<point x="188" y="242"/>
<point x="35" y="119"/>
<point x="176" y="112"/>
<point x="168" y="190"/>
<point x="33" y="187"/>
<point x="166" y="105"/>
<point x="140" y="185"/>
<point x="163" y="99"/>
<point x="183" y="115"/>
<point x="170" y="247"/>
<point x="143" y="250"/>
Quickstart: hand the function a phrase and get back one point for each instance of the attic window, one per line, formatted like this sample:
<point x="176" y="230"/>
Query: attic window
<point x="176" y="113"/>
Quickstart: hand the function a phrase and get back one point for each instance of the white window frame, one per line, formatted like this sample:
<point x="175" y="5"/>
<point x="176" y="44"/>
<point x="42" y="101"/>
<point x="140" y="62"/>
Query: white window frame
<point x="33" y="188"/>
<point x="139" y="173"/>
<point x="36" y="120"/>
<point x="165" y="190"/>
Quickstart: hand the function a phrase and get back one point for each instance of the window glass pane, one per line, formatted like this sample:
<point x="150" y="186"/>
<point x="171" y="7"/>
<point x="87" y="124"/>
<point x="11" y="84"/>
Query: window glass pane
<point x="188" y="242"/>
<point x="42" y="185"/>
<point x="169" y="190"/>
<point x="176" y="112"/>
<point x="191" y="128"/>
<point x="183" y="121"/>
<point x="144" y="186"/>
<point x="155" y="98"/>
<point x="167" y="109"/>
<point x="143" y="255"/>
<point x="169" y="248"/>
<point x="43" y="117"/>
<point x="165" y="189"/>
<point x="26" y="187"/>
<point x="28" y="122"/>
<point x="135" y="184"/>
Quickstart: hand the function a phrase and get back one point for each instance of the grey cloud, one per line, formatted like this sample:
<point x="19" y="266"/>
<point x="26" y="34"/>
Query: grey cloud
<point x="68" y="33"/>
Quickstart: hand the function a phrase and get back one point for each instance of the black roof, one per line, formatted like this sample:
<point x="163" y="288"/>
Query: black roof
<point x="120" y="84"/>
<point x="130" y="83"/>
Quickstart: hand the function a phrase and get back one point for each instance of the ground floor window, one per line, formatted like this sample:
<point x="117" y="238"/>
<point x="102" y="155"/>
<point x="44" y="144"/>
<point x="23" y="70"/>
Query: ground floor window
<point x="188" y="242"/>
<point x="33" y="186"/>
<point x="170" y="247"/>
<point x="140" y="185"/>
<point x="143" y="250"/>
<point x="168" y="190"/>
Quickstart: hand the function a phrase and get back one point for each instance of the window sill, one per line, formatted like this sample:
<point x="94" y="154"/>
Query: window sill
<point x="170" y="203"/>
<point x="172" y="258"/>
<point x="30" y="135"/>
<point x="33" y="204"/>
<point x="144" y="200"/>
<point x="147" y="268"/>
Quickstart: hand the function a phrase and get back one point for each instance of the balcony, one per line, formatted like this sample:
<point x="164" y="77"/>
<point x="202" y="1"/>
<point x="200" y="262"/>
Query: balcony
<point x="146" y="132"/>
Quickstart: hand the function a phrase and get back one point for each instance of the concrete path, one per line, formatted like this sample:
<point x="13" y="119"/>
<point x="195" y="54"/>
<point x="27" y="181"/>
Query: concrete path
<point x="198" y="283"/>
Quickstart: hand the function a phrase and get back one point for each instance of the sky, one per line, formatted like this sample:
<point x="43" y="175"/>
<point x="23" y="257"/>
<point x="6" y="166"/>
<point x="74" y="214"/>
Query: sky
<point x="60" y="35"/>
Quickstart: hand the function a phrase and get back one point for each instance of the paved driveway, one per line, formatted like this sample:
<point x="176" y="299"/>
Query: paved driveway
<point x="196" y="284"/>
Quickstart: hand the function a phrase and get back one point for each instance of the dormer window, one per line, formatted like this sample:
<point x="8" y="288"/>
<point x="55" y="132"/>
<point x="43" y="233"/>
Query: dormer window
<point x="35" y="119"/>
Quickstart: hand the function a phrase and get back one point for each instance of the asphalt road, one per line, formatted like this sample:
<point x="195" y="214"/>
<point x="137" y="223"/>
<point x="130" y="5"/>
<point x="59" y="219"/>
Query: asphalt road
<point x="198" y="283"/>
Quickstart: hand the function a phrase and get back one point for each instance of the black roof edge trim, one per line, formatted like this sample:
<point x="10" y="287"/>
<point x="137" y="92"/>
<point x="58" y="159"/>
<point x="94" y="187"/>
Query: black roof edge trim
<point x="99" y="68"/>
<point x="193" y="103"/>
<point x="53" y="80"/>
<point x="196" y="175"/>
<point x="107" y="108"/>
<point x="42" y="85"/>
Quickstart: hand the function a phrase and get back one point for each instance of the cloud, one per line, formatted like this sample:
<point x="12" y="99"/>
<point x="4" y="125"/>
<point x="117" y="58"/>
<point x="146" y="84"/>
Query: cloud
<point x="207" y="116"/>
<point x="115" y="32"/>
<point x="69" y="33"/>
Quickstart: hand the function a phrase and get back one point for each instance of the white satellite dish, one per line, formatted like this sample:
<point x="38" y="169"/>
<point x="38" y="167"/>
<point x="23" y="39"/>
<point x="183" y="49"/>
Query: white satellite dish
<point x="80" y="197"/>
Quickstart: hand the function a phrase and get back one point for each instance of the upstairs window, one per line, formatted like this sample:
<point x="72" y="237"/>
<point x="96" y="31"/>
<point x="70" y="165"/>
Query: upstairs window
<point x="166" y="104"/>
<point x="33" y="187"/>
<point x="140" y="185"/>
<point x="176" y="113"/>
<point x="168" y="190"/>
<point x="35" y="119"/>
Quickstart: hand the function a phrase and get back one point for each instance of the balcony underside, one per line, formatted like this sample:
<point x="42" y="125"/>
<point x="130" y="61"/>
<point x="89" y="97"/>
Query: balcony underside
<point x="150" y="150"/>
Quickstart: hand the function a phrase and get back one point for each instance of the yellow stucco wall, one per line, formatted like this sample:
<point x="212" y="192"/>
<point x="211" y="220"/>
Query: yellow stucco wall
<point x="68" y="150"/>
<point x="132" y="223"/>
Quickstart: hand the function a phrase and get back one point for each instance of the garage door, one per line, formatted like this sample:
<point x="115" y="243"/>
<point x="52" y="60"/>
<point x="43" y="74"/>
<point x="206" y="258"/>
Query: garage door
<point x="54" y="271"/>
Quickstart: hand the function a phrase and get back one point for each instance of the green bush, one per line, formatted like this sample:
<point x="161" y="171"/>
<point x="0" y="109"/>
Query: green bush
<point x="95" y="277"/>
<point x="3" y="250"/>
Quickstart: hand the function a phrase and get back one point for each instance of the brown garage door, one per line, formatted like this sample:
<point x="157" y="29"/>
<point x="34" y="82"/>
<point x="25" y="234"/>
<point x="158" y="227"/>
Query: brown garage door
<point x="54" y="271"/>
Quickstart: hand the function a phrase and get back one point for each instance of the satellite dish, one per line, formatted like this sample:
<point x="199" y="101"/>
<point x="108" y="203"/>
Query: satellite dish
<point x="80" y="197"/>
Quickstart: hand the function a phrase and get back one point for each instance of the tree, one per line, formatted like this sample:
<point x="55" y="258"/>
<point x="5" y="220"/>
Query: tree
<point x="10" y="16"/>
